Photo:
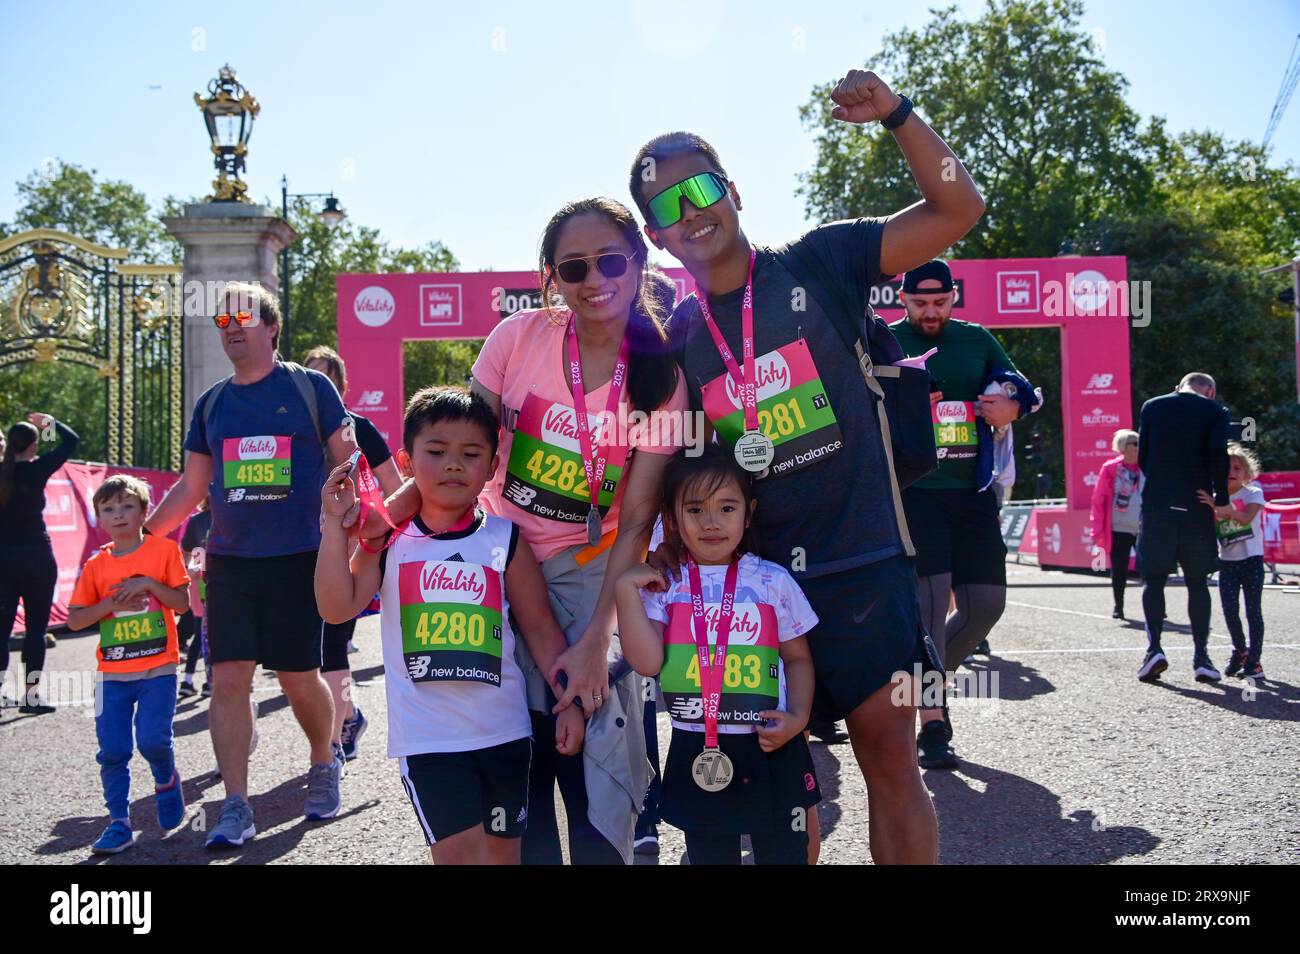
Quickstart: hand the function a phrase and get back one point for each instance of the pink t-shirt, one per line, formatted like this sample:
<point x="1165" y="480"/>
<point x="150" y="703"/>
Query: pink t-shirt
<point x="540" y="483"/>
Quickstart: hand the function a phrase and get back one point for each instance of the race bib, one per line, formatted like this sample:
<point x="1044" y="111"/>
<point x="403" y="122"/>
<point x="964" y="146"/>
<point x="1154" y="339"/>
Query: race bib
<point x="955" y="437"/>
<point x="1230" y="531"/>
<point x="750" y="676"/>
<point x="126" y="635"/>
<point x="793" y="409"/>
<point x="545" y="475"/>
<point x="451" y="621"/>
<point x="256" y="469"/>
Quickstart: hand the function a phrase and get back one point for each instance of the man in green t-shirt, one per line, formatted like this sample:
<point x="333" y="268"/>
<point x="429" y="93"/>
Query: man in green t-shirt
<point x="952" y="513"/>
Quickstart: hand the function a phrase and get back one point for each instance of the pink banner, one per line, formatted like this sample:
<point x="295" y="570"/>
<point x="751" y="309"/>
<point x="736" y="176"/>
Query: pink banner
<point x="74" y="532"/>
<point x="1280" y="484"/>
<point x="1088" y="299"/>
<point x="1281" y="533"/>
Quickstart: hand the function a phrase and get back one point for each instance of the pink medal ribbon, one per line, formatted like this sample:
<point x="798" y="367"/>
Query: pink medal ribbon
<point x="711" y="675"/>
<point x="593" y="460"/>
<point x="744" y="381"/>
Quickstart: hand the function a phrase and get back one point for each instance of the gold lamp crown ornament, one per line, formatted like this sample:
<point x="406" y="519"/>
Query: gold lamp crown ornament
<point x="228" y="110"/>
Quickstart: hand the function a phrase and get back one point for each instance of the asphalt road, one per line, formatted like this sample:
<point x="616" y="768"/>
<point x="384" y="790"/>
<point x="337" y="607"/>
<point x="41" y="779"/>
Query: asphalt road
<point x="1073" y="761"/>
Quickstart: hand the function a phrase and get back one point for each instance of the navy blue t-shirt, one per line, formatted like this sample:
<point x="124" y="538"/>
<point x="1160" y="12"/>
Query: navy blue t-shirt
<point x="826" y="505"/>
<point x="268" y="465"/>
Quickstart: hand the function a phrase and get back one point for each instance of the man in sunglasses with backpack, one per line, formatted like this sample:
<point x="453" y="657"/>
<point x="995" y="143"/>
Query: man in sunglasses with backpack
<point x="258" y="442"/>
<point x="765" y="359"/>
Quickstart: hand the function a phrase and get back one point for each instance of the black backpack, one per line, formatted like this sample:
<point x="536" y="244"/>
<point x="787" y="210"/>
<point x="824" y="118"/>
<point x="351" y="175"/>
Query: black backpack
<point x="906" y="427"/>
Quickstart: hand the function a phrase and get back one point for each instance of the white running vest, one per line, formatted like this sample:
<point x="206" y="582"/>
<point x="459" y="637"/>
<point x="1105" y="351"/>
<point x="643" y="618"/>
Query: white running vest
<point x="449" y="654"/>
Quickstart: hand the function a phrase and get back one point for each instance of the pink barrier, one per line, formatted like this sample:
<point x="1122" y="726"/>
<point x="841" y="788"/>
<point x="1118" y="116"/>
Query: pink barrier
<point x="70" y="520"/>
<point x="1282" y="532"/>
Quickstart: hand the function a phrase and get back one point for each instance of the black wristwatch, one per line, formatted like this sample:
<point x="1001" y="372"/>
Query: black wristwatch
<point x="899" y="115"/>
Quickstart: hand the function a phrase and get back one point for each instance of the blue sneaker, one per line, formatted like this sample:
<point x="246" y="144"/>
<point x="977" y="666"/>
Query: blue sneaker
<point x="171" y="804"/>
<point x="234" y="825"/>
<point x="118" y="836"/>
<point x="351" y="733"/>
<point x="323" y="799"/>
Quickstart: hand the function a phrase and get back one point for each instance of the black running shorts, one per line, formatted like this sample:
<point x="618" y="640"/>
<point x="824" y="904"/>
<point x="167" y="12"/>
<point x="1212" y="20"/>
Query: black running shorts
<point x="264" y="609"/>
<point x="452" y="792"/>
<point x="957" y="532"/>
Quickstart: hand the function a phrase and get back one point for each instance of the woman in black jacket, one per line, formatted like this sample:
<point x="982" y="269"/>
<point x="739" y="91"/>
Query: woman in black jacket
<point x="27" y="567"/>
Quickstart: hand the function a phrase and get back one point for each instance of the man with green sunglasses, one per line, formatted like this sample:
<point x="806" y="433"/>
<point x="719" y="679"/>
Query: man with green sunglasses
<point x="827" y="508"/>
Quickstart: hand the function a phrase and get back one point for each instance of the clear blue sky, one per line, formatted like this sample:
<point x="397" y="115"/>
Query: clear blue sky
<point x="471" y="123"/>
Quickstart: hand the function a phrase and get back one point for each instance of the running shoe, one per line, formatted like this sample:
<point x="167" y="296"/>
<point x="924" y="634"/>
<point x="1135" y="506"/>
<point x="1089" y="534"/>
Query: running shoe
<point x="1253" y="671"/>
<point x="1117" y="613"/>
<point x="171" y="804"/>
<point x="1153" y="666"/>
<point x="50" y="641"/>
<point x="118" y="836"/>
<point x="186" y="690"/>
<point x="982" y="649"/>
<point x="933" y="750"/>
<point x="1204" y="669"/>
<point x="647" y="840"/>
<point x="35" y="705"/>
<point x="323" y="800"/>
<point x="207" y="690"/>
<point x="234" y="824"/>
<point x="351" y="734"/>
<point x="1236" y="663"/>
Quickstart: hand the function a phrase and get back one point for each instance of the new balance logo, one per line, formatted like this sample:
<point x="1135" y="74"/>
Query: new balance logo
<point x="1100" y="380"/>
<point x="688" y="710"/>
<point x="370" y="398"/>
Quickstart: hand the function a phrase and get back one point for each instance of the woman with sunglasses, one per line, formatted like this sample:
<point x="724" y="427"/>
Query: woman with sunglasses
<point x="585" y="491"/>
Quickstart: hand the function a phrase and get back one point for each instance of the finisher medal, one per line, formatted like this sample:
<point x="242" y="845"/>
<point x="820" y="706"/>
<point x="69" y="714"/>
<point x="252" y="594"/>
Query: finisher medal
<point x="754" y="451"/>
<point x="712" y="769"/>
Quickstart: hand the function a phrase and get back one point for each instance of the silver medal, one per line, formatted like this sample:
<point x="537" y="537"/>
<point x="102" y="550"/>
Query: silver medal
<point x="593" y="526"/>
<point x="754" y="451"/>
<point x="712" y="770"/>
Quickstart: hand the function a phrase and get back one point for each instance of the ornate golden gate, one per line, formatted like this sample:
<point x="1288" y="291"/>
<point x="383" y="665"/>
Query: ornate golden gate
<point x="65" y="299"/>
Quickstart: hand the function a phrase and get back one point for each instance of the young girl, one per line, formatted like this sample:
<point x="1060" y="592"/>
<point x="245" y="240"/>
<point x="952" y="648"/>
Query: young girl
<point x="739" y="694"/>
<point x="457" y="706"/>
<point x="1240" y="528"/>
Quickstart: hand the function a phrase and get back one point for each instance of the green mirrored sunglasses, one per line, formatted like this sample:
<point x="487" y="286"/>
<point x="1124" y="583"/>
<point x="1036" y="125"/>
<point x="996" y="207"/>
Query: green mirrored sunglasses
<point x="700" y="190"/>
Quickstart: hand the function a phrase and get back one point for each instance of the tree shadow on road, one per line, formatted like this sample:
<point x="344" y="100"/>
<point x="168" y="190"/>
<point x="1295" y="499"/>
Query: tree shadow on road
<point x="1015" y="821"/>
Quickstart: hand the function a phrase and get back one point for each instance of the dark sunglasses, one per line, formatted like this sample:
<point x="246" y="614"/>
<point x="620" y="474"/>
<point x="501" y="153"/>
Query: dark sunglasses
<point x="701" y="191"/>
<point x="242" y="318"/>
<point x="611" y="265"/>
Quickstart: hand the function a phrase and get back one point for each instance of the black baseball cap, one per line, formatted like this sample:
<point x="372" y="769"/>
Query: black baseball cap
<point x="931" y="271"/>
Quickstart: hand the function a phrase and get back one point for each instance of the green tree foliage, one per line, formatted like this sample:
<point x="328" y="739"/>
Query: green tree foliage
<point x="1066" y="165"/>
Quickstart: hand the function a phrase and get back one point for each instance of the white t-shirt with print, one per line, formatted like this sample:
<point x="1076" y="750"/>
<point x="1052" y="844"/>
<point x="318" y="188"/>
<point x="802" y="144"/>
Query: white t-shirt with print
<point x="1252" y="545"/>
<point x="770" y="609"/>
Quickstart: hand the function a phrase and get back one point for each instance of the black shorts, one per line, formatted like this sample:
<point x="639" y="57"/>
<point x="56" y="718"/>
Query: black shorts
<point x="453" y="792"/>
<point x="770" y="791"/>
<point x="334" y="646"/>
<point x="1188" y="543"/>
<point x="869" y="628"/>
<point x="957" y="532"/>
<point x="264" y="609"/>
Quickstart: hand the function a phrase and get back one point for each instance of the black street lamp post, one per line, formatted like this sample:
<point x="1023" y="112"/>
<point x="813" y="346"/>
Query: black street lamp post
<point x="332" y="215"/>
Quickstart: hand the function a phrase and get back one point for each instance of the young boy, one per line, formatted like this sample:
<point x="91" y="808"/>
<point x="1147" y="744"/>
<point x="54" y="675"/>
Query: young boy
<point x="132" y="588"/>
<point x="453" y="583"/>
